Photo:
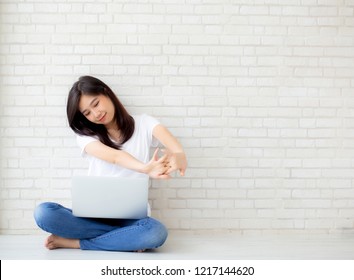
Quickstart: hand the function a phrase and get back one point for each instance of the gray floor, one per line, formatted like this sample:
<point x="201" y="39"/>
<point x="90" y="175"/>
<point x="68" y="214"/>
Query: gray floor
<point x="181" y="246"/>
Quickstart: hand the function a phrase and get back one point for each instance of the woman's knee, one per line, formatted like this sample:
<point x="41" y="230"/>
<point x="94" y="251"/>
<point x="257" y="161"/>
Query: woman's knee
<point x="44" y="212"/>
<point x="158" y="234"/>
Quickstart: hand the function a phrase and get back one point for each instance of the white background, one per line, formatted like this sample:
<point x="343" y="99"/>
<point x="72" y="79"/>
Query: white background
<point x="276" y="270"/>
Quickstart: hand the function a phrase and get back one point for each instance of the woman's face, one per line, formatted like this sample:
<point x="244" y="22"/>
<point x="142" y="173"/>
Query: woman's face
<point x="98" y="109"/>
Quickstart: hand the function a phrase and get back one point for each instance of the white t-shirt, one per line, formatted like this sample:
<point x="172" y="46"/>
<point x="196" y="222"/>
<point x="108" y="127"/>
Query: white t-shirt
<point x="138" y="146"/>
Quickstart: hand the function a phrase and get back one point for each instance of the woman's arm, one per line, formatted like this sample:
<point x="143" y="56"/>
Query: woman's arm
<point x="155" y="168"/>
<point x="176" y="156"/>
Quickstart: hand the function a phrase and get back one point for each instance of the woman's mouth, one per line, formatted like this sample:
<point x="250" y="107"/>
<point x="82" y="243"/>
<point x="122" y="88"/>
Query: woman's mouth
<point x="102" y="118"/>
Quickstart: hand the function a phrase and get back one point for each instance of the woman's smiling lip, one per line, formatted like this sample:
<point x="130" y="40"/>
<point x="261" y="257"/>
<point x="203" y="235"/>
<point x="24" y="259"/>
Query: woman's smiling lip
<point x="101" y="119"/>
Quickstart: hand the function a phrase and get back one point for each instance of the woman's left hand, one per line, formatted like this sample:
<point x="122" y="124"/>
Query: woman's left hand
<point x="176" y="161"/>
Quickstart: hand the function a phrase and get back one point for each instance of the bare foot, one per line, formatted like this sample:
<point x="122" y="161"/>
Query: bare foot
<point x="54" y="242"/>
<point x="140" y="251"/>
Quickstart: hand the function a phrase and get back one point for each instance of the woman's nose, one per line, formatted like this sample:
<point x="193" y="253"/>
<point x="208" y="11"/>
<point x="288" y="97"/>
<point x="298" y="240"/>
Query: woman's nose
<point x="96" y="113"/>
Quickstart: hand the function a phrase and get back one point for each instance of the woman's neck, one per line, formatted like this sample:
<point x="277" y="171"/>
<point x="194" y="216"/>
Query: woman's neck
<point x="114" y="132"/>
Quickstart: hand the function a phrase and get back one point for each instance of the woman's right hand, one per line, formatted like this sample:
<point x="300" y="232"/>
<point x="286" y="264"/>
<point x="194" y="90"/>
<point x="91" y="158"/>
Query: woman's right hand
<point x="156" y="168"/>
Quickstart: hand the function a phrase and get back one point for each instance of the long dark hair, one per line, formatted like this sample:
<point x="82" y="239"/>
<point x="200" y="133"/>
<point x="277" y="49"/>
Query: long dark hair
<point x="91" y="86"/>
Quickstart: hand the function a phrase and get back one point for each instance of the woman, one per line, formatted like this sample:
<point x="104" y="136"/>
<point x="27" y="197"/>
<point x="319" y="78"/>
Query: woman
<point x="116" y="144"/>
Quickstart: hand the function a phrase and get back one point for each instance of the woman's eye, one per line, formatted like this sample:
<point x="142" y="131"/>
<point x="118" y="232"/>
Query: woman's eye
<point x="96" y="104"/>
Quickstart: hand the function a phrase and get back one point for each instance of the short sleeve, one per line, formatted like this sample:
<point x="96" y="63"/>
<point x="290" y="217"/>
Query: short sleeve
<point x="149" y="123"/>
<point x="82" y="141"/>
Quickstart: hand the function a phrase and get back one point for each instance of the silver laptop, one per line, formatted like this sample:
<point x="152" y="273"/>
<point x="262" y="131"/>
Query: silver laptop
<point x="109" y="197"/>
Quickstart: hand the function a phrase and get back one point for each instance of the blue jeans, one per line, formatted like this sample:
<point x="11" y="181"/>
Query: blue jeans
<point x="100" y="234"/>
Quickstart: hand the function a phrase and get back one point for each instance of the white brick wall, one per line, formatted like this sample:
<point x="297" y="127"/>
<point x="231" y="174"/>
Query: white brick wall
<point x="260" y="93"/>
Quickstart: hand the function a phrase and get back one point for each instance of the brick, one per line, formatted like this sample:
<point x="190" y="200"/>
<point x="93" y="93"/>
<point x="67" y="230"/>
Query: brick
<point x="260" y="96"/>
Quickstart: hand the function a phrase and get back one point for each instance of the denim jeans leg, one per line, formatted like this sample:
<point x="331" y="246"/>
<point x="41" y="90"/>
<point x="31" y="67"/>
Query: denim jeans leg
<point x="56" y="219"/>
<point x="134" y="235"/>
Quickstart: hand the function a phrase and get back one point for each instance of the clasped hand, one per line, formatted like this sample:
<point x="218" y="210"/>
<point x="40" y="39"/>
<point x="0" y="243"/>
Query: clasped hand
<point x="161" y="168"/>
